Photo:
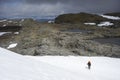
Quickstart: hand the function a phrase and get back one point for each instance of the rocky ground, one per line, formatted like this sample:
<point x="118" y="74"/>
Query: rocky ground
<point x="36" y="38"/>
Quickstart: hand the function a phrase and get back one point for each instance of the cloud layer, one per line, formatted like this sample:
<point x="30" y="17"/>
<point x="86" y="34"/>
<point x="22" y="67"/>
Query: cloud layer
<point x="56" y="7"/>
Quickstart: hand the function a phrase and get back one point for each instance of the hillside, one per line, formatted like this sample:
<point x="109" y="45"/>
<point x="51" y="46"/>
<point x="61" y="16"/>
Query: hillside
<point x="79" y="18"/>
<point x="29" y="37"/>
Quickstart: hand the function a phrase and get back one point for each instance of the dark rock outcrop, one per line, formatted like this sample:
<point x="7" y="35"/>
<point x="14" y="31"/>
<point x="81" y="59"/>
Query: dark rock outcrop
<point x="117" y="14"/>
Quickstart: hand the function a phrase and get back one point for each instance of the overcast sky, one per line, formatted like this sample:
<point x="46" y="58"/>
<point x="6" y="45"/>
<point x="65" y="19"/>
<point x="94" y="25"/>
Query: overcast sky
<point x="11" y="8"/>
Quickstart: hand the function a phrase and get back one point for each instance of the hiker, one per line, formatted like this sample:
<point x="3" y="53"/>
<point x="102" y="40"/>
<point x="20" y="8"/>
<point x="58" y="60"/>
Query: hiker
<point x="89" y="64"/>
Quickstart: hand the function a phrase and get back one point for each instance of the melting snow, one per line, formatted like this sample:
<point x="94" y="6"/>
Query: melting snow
<point x="50" y="21"/>
<point x="12" y="45"/>
<point x="111" y="17"/>
<point x="2" y="33"/>
<point x="3" y="20"/>
<point x="20" y="24"/>
<point x="10" y="21"/>
<point x="22" y="20"/>
<point x="16" y="32"/>
<point x="90" y="23"/>
<point x="105" y="24"/>
<point x="4" y="25"/>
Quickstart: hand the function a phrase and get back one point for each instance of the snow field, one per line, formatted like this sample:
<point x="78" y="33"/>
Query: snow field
<point x="18" y="67"/>
<point x="103" y="68"/>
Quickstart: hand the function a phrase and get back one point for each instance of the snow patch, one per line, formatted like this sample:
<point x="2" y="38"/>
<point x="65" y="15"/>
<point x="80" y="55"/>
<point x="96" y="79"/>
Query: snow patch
<point x="2" y="33"/>
<point x="50" y="22"/>
<point x="10" y="21"/>
<point x="3" y="20"/>
<point x="20" y="24"/>
<point x="110" y="17"/>
<point x="22" y="20"/>
<point x="90" y="23"/>
<point x="105" y="24"/>
<point x="4" y="25"/>
<point x="12" y="45"/>
<point x="16" y="33"/>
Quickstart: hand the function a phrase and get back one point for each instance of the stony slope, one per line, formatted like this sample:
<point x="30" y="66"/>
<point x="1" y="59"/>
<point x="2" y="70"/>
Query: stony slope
<point x="53" y="39"/>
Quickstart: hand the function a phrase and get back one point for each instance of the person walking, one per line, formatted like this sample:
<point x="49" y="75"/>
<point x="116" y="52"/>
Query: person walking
<point x="89" y="64"/>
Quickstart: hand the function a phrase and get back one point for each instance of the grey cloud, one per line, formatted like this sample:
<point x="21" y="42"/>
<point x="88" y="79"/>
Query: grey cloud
<point x="6" y="1"/>
<point x="56" y="7"/>
<point x="99" y="6"/>
<point x="81" y="2"/>
<point x="32" y="10"/>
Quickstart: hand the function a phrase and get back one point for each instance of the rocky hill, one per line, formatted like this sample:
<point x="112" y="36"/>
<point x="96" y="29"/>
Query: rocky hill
<point x="79" y="17"/>
<point x="36" y="38"/>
